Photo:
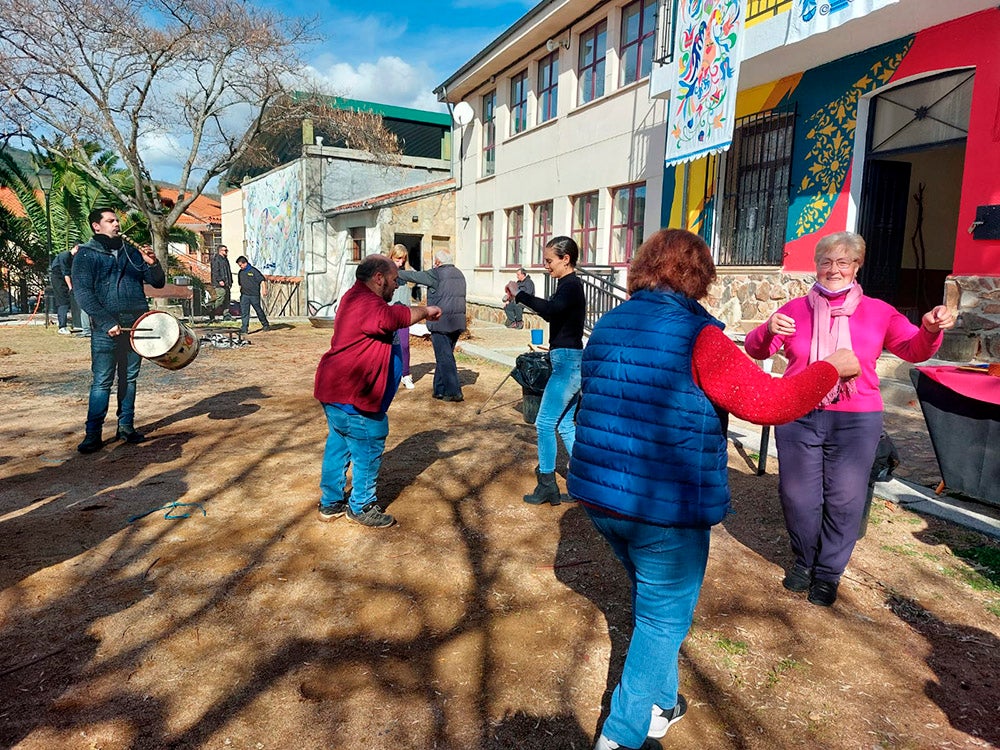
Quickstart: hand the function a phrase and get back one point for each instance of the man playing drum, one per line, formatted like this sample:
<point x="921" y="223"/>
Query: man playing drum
<point x="108" y="278"/>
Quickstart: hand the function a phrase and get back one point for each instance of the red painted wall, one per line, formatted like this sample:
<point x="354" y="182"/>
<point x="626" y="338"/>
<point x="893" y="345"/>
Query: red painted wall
<point x="973" y="41"/>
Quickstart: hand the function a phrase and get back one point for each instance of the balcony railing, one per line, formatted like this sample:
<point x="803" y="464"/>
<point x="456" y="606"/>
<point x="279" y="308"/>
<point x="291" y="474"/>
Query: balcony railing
<point x="765" y="8"/>
<point x="600" y="289"/>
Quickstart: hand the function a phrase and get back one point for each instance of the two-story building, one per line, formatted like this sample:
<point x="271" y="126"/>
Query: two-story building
<point x="885" y="124"/>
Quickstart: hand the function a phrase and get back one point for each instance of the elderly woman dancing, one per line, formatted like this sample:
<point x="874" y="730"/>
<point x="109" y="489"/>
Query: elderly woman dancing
<point x="826" y="456"/>
<point x="650" y="459"/>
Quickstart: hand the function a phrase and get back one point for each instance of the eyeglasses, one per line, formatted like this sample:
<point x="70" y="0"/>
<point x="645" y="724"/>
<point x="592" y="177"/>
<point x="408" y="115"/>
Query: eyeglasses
<point x="842" y="264"/>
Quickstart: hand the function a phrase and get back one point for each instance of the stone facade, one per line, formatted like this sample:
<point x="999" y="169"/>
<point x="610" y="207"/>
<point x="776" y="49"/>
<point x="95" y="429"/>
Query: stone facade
<point x="744" y="300"/>
<point x="977" y="300"/>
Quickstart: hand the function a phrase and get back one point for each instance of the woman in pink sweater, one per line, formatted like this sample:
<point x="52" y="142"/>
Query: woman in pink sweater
<point x="826" y="456"/>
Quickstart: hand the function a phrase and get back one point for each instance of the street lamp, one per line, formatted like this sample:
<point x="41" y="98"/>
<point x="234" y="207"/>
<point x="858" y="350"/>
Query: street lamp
<point x="45" y="184"/>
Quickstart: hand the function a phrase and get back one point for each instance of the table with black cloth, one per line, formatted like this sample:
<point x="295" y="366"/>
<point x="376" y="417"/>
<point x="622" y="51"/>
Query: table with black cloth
<point x="962" y="411"/>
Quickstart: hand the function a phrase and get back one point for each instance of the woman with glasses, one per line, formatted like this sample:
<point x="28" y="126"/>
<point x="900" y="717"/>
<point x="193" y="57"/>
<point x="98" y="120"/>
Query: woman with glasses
<point x="826" y="456"/>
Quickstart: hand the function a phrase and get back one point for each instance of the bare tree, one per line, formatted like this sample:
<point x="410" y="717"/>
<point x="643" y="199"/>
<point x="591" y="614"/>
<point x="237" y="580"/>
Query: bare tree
<point x="203" y="77"/>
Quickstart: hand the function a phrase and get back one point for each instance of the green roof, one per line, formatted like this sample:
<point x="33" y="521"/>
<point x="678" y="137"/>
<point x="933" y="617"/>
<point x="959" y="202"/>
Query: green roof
<point x="392" y="112"/>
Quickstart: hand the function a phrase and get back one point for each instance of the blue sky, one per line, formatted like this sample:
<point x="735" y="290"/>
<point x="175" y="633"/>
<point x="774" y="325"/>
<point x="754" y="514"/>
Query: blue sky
<point x="398" y="52"/>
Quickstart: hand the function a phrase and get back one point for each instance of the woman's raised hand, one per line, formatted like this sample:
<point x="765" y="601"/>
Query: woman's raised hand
<point x="938" y="319"/>
<point x="780" y="324"/>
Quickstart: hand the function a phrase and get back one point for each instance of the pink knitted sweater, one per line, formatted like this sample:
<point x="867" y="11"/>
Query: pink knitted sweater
<point x="874" y="326"/>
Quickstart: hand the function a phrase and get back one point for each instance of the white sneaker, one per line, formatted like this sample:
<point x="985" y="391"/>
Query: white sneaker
<point x="408" y="382"/>
<point x="64" y="331"/>
<point x="662" y="720"/>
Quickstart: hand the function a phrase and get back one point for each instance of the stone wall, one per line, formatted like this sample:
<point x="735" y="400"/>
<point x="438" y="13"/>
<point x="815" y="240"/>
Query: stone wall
<point x="977" y="334"/>
<point x="744" y="300"/>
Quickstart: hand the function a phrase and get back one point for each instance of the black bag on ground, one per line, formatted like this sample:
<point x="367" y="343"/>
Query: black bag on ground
<point x="886" y="461"/>
<point x="531" y="371"/>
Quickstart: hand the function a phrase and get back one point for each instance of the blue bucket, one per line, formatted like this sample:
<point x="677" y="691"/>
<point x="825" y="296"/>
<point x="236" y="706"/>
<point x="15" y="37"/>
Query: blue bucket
<point x="537" y="336"/>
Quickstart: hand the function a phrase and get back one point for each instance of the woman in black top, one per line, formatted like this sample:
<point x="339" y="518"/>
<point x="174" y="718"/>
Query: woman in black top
<point x="565" y="314"/>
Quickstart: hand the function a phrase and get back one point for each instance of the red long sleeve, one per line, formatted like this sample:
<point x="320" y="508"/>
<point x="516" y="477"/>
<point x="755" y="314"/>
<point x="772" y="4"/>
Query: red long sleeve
<point x="733" y="382"/>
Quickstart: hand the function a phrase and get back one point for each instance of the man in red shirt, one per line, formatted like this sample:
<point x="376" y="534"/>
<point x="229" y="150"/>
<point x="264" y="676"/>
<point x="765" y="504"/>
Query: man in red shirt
<point x="355" y="382"/>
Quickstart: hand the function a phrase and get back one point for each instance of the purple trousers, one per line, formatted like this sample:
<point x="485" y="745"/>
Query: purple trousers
<point x="404" y="345"/>
<point x="825" y="459"/>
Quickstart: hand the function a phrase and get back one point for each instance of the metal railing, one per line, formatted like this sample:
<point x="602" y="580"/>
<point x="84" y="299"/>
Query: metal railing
<point x="600" y="290"/>
<point x="761" y="8"/>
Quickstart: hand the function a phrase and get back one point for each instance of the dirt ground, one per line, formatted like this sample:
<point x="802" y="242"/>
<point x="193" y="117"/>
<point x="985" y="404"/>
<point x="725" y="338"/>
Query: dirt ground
<point x="477" y="622"/>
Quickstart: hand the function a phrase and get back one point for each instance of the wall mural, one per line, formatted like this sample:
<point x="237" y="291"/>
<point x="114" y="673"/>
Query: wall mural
<point x="273" y="213"/>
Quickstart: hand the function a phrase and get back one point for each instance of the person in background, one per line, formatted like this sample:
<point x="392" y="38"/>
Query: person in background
<point x="446" y="289"/>
<point x="513" y="308"/>
<point x="402" y="296"/>
<point x="828" y="453"/>
<point x="565" y="313"/>
<point x="108" y="278"/>
<point x="74" y="303"/>
<point x="253" y="286"/>
<point x="59" y="272"/>
<point x="355" y="382"/>
<point x="222" y="284"/>
<point x="649" y="463"/>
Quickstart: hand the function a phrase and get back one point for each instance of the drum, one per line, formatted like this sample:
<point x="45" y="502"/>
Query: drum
<point x="161" y="338"/>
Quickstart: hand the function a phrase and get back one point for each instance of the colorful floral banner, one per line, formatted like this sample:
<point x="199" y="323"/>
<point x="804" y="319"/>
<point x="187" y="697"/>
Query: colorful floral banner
<point x="815" y="16"/>
<point x="703" y="103"/>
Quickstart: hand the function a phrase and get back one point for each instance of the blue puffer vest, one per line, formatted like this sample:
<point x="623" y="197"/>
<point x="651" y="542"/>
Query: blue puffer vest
<point x="649" y="443"/>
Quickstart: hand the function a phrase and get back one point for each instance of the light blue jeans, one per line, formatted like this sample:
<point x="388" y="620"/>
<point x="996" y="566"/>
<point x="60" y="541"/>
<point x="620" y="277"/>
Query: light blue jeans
<point x="666" y="566"/>
<point x="356" y="440"/>
<point x="555" y="413"/>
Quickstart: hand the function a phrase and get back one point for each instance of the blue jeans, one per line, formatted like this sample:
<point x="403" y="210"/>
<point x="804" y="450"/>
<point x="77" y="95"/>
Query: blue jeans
<point x="445" y="370"/>
<point x="111" y="357"/>
<point x="555" y="412"/>
<point x="246" y="301"/>
<point x="666" y="566"/>
<point x="358" y="441"/>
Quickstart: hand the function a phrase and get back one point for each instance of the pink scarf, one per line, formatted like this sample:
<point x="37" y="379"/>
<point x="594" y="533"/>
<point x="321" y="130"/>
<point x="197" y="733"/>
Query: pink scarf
<point x="831" y="331"/>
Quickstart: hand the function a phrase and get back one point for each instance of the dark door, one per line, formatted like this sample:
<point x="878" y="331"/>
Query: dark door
<point x="882" y="222"/>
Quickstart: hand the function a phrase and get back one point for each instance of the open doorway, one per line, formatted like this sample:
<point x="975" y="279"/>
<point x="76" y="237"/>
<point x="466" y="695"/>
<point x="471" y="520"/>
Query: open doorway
<point x="413" y="261"/>
<point x="911" y="189"/>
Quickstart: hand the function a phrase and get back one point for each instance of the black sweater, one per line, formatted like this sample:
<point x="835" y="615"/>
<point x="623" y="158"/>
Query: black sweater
<point x="565" y="312"/>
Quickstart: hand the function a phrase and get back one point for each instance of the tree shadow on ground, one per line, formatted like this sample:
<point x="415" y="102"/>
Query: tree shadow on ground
<point x="755" y="519"/>
<point x="966" y="661"/>
<point x="408" y="460"/>
<point x="525" y="732"/>
<point x="585" y="563"/>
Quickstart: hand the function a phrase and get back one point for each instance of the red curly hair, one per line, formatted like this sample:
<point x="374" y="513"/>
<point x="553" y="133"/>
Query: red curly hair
<point x="673" y="258"/>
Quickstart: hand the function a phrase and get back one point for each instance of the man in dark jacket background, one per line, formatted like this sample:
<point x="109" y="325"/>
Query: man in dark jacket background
<point x="445" y="289"/>
<point x="59" y="270"/>
<point x="253" y="286"/>
<point x="108" y="277"/>
<point x="513" y="308"/>
<point x="222" y="283"/>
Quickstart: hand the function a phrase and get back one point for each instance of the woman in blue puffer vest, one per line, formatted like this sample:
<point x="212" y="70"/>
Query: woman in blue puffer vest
<point x="650" y="456"/>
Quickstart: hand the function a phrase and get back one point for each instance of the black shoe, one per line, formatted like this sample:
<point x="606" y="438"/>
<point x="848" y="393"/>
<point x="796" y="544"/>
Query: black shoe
<point x="266" y="328"/>
<point x="823" y="593"/>
<point x="546" y="491"/>
<point x="91" y="443"/>
<point x="797" y="579"/>
<point x="372" y="516"/>
<point x="330" y="512"/>
<point x="129" y="435"/>
<point x="456" y="399"/>
<point x="439" y="396"/>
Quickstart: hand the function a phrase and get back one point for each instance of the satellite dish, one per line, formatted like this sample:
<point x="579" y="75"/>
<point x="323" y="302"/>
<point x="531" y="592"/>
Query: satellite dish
<point x="462" y="114"/>
<point x="551" y="45"/>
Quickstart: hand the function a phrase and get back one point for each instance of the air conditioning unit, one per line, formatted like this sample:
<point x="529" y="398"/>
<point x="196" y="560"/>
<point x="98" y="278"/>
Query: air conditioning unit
<point x="182" y="280"/>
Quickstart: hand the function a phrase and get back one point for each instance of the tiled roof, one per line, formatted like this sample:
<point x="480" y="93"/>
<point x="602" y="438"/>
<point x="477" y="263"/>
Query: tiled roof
<point x="204" y="210"/>
<point x="397" y="196"/>
<point x="10" y="201"/>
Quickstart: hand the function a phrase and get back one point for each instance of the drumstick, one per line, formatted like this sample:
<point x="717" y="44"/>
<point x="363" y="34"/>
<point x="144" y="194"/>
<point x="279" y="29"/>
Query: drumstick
<point x="135" y="329"/>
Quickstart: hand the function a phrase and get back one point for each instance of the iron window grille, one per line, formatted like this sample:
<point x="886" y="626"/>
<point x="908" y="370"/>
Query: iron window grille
<point x="756" y="177"/>
<point x="666" y="20"/>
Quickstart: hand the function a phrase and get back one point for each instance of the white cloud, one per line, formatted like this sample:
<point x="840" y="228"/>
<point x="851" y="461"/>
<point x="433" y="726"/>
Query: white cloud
<point x="387" y="80"/>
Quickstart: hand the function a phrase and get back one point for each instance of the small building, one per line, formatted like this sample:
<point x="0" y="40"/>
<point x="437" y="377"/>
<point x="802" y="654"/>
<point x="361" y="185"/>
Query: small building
<point x="308" y="222"/>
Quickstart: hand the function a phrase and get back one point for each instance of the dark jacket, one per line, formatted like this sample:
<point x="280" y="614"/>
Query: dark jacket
<point x="649" y="443"/>
<point x="565" y="312"/>
<point x="221" y="271"/>
<point x="526" y="285"/>
<point x="61" y="267"/>
<point x="445" y="289"/>
<point x="106" y="286"/>
<point x="250" y="281"/>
